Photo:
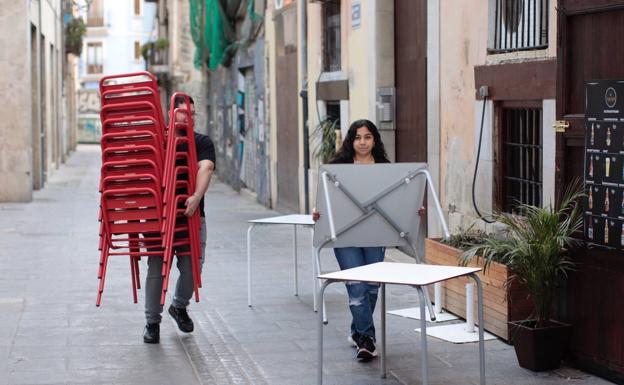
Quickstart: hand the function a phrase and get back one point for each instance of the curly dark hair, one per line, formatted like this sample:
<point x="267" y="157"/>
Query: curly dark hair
<point x="346" y="153"/>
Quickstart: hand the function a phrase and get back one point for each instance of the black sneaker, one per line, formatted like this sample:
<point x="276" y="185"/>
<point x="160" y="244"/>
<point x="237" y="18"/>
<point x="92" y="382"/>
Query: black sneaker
<point x="151" y="334"/>
<point x="352" y="339"/>
<point x="366" y="348"/>
<point x="181" y="317"/>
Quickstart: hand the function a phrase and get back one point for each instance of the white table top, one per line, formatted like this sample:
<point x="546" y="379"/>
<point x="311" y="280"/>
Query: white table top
<point x="400" y="273"/>
<point x="294" y="219"/>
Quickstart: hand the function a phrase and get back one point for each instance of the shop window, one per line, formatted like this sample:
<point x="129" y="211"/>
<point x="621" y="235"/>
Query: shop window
<point x="520" y="156"/>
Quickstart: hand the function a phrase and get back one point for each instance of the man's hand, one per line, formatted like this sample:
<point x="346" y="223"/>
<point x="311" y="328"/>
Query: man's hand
<point x="191" y="204"/>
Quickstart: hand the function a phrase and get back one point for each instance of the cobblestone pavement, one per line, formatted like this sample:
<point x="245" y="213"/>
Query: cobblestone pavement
<point x="52" y="333"/>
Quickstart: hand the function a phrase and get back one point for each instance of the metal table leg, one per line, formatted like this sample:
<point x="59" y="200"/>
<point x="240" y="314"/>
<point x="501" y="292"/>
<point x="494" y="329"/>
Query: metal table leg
<point x="423" y="335"/>
<point x="249" y="264"/>
<point x="382" y="345"/>
<point x="319" y="373"/>
<point x="295" y="259"/>
<point x="316" y="270"/>
<point x="481" y="331"/>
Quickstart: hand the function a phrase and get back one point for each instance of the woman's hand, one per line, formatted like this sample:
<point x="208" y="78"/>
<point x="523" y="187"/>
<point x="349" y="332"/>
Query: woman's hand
<point x="315" y="215"/>
<point x="422" y="211"/>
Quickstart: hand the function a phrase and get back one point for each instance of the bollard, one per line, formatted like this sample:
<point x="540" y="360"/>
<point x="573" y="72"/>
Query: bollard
<point x="437" y="295"/>
<point x="470" y="328"/>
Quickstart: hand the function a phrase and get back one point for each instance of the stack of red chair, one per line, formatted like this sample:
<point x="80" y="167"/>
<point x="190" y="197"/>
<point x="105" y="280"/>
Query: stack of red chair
<point x="180" y="232"/>
<point x="134" y="204"/>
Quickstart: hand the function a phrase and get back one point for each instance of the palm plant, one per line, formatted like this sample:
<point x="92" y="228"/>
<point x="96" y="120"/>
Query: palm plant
<point x="535" y="247"/>
<point x="326" y="147"/>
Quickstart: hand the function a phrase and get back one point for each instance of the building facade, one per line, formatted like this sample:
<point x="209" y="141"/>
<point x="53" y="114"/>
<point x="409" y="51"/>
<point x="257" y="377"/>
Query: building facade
<point x="116" y="32"/>
<point x="37" y="130"/>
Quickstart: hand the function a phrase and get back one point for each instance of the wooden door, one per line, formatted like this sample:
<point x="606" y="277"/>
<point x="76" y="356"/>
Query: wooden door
<point x="287" y="103"/>
<point x="410" y="49"/>
<point x="590" y="47"/>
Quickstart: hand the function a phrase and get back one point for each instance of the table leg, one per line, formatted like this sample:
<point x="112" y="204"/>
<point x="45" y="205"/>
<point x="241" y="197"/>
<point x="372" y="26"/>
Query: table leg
<point x="313" y="268"/>
<point x="315" y="273"/>
<point x="249" y="264"/>
<point x="319" y="373"/>
<point x="481" y="331"/>
<point x="295" y="259"/>
<point x="423" y="335"/>
<point x="383" y="330"/>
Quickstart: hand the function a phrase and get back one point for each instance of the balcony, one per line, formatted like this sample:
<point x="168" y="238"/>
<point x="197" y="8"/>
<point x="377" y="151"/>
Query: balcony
<point x="518" y="25"/>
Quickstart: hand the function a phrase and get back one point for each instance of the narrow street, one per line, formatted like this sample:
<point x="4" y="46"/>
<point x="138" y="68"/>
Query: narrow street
<point x="51" y="332"/>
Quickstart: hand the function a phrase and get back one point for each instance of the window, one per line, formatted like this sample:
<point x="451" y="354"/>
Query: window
<point x="137" y="7"/>
<point x="518" y="25"/>
<point x="331" y="35"/>
<point x="95" y="14"/>
<point x="137" y="50"/>
<point x="94" y="58"/>
<point x="520" y="160"/>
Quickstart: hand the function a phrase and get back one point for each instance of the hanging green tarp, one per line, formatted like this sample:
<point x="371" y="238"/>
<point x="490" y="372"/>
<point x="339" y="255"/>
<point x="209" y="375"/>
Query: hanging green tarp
<point x="213" y="29"/>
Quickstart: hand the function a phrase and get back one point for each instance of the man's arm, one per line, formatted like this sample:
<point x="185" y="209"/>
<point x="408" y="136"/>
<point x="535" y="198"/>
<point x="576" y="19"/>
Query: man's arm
<point x="205" y="168"/>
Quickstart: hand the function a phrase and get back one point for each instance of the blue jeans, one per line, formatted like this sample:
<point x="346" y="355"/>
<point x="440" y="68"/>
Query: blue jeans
<point x="184" y="287"/>
<point x="362" y="296"/>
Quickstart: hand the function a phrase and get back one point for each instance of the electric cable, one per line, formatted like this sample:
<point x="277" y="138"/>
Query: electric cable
<point x="474" y="177"/>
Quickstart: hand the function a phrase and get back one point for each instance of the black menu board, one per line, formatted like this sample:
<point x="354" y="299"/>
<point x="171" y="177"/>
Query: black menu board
<point x="604" y="163"/>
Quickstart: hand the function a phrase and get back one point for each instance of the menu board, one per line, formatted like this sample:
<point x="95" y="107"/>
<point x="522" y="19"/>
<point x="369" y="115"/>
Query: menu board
<point x="604" y="163"/>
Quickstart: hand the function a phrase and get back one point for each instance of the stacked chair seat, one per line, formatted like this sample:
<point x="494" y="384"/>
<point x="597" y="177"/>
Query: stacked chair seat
<point x="145" y="179"/>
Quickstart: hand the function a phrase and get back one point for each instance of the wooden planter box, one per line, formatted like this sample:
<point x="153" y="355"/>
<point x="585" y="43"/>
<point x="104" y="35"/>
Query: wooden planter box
<point x="500" y="304"/>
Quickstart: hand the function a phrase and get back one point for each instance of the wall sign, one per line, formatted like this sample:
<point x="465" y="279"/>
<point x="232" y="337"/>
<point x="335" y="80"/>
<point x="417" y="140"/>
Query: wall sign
<point x="604" y="163"/>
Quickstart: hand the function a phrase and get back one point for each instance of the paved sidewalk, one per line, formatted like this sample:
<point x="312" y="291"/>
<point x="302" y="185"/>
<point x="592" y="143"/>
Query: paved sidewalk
<point x="52" y="333"/>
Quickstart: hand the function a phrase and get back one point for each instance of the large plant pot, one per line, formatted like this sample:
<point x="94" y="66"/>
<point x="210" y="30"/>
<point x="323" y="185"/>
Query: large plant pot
<point x="501" y="303"/>
<point x="539" y="349"/>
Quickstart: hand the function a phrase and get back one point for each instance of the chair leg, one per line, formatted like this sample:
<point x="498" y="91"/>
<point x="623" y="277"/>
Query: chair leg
<point x="105" y="252"/>
<point x="134" y="287"/>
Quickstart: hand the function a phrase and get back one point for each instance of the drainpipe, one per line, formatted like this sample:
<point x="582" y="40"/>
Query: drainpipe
<point x="302" y="6"/>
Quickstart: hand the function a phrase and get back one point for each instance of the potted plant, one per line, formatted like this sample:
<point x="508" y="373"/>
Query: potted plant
<point x="328" y="132"/>
<point x="502" y="303"/>
<point x="535" y="248"/>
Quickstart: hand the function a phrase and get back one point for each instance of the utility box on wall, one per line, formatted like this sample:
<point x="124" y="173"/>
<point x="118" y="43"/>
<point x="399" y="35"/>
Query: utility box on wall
<point x="386" y="108"/>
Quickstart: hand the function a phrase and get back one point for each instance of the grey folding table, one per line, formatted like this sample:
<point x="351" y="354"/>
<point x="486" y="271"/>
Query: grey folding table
<point x="416" y="275"/>
<point x="294" y="220"/>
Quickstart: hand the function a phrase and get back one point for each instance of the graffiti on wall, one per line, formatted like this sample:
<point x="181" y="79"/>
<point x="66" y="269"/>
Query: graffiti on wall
<point x="89" y="126"/>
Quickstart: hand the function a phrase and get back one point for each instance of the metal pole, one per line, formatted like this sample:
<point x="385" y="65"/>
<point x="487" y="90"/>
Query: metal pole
<point x="481" y="331"/>
<point x="423" y="335"/>
<point x="249" y="264"/>
<point x="295" y="259"/>
<point x="319" y="373"/>
<point x="383" y="330"/>
<point x="434" y="195"/>
<point x="437" y="295"/>
<point x="330" y="215"/>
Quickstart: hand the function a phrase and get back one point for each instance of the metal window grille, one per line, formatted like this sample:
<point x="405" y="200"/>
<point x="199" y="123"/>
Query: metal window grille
<point x="521" y="157"/>
<point x="519" y="25"/>
<point x="331" y="35"/>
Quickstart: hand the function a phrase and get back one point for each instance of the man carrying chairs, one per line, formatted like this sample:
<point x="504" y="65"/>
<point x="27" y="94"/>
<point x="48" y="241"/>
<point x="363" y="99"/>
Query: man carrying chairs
<point x="205" y="153"/>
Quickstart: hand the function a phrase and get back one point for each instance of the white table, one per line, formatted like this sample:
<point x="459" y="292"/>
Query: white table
<point x="416" y="275"/>
<point x="294" y="220"/>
